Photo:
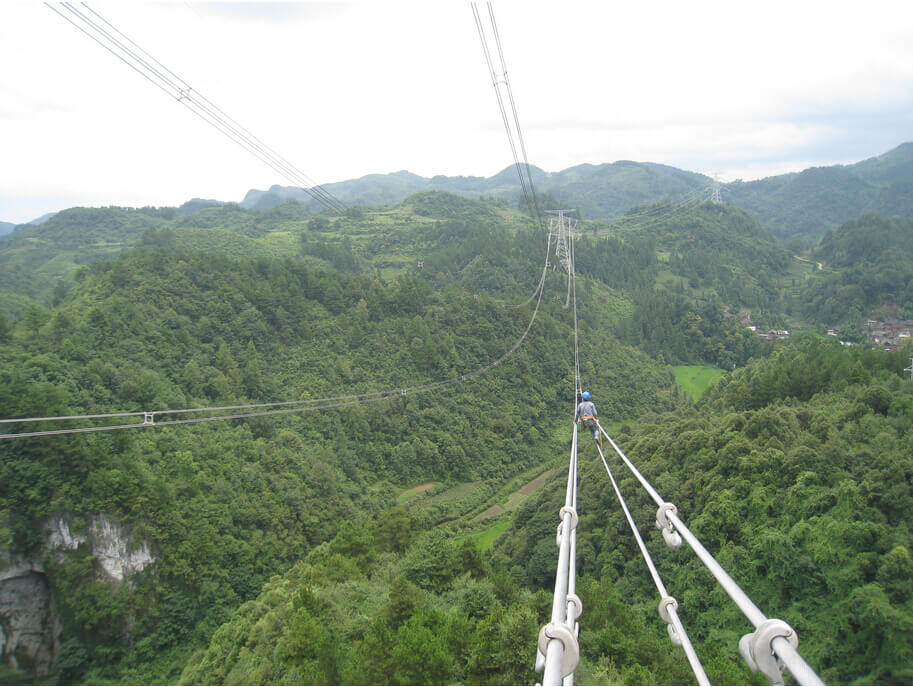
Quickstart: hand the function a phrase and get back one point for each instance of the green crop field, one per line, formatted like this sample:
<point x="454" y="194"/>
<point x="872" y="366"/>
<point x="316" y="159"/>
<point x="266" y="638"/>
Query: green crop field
<point x="696" y="379"/>
<point x="484" y="540"/>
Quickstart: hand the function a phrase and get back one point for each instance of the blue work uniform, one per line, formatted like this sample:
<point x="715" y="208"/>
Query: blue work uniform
<point x="586" y="411"/>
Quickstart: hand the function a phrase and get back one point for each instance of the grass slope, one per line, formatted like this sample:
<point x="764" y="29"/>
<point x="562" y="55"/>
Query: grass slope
<point x="696" y="379"/>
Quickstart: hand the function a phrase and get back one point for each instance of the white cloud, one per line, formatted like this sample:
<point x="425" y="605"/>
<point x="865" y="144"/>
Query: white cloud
<point x="347" y="89"/>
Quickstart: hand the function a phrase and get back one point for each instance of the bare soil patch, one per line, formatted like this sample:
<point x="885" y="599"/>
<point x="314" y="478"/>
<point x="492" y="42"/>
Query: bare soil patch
<point x="490" y="513"/>
<point x="530" y="487"/>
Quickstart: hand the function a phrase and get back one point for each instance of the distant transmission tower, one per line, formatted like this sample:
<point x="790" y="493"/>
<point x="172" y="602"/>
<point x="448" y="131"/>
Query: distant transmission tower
<point x="562" y="228"/>
<point x="910" y="369"/>
<point x="715" y="196"/>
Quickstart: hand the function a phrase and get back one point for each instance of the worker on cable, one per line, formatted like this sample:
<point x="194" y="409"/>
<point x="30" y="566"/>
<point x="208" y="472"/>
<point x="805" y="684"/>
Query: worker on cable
<point x="586" y="412"/>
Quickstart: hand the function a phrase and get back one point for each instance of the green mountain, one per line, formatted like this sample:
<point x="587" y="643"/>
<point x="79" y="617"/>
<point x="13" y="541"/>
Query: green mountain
<point x="409" y="538"/>
<point x="868" y="272"/>
<point x="794" y="472"/>
<point x="38" y="263"/>
<point x="235" y="314"/>
<point x="803" y="205"/>
<point x="782" y="472"/>
<point x="820" y="199"/>
<point x="599" y="191"/>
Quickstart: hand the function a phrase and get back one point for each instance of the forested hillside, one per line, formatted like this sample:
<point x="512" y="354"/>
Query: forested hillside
<point x="868" y="268"/>
<point x="796" y="473"/>
<point x="183" y="320"/>
<point x="808" y="204"/>
<point x="397" y="541"/>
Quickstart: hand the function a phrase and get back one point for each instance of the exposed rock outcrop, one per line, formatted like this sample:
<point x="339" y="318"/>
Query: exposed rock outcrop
<point x="111" y="543"/>
<point x="30" y="631"/>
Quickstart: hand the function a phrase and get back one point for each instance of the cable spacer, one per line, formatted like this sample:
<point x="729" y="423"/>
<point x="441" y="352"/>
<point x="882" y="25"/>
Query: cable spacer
<point x="148" y="418"/>
<point x="578" y="605"/>
<point x="672" y="538"/>
<point x="757" y="648"/>
<point x="571" y="654"/>
<point x="662" y="520"/>
<point x="574" y="519"/>
<point x="664" y="604"/>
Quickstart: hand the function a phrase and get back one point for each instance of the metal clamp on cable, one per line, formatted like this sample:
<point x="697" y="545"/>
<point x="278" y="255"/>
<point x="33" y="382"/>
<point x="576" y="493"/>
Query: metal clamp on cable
<point x="664" y="604"/>
<point x="574" y="521"/>
<point x="757" y="648"/>
<point x="672" y="538"/>
<point x="148" y="418"/>
<point x="578" y="605"/>
<point x="571" y="655"/>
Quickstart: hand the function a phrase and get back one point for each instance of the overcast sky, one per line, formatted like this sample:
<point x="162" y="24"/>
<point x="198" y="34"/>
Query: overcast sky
<point x="739" y="89"/>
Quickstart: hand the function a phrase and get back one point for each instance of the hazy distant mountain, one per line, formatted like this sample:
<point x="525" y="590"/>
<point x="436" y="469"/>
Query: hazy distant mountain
<point x="604" y="191"/>
<point x="804" y="205"/>
<point x="821" y="199"/>
<point x="40" y="220"/>
<point x="7" y="228"/>
<point x="197" y="204"/>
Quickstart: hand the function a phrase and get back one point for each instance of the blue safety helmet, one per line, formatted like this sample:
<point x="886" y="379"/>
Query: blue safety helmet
<point x="585" y="395"/>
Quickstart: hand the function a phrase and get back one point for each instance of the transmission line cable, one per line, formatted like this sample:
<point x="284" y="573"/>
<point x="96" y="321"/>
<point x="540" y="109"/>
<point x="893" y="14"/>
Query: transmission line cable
<point x="498" y="78"/>
<point x="578" y="386"/>
<point x="558" y="647"/>
<point x="167" y="81"/>
<point x="186" y="95"/>
<point x="668" y="606"/>
<point x="772" y="637"/>
<point x="657" y="214"/>
<point x="513" y="108"/>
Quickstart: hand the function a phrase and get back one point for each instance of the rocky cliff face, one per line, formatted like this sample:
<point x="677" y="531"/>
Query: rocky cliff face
<point x="30" y="632"/>
<point x="111" y="543"/>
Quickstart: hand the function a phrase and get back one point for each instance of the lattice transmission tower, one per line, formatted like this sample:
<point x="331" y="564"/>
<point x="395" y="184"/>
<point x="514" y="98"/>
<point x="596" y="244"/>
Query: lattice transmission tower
<point x="562" y="227"/>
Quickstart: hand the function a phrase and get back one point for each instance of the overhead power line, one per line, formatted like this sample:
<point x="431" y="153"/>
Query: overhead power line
<point x="668" y="606"/>
<point x="498" y="79"/>
<point x="100" y="30"/>
<point x="773" y="643"/>
<point x="661" y="212"/>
